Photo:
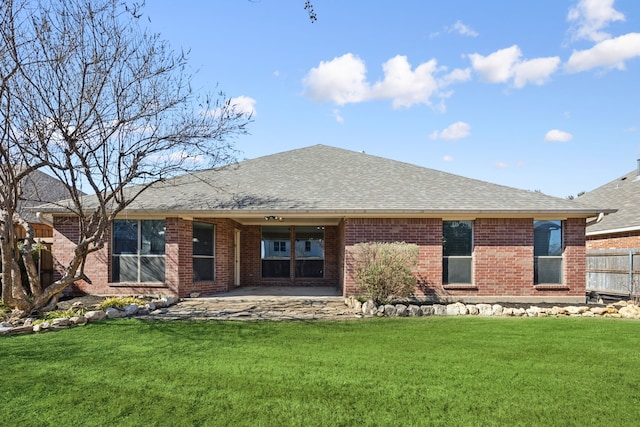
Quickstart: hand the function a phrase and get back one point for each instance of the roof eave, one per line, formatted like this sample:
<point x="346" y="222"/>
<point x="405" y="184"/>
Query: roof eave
<point x="613" y="231"/>
<point x="372" y="213"/>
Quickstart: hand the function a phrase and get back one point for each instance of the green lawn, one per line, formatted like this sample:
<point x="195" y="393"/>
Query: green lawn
<point x="378" y="372"/>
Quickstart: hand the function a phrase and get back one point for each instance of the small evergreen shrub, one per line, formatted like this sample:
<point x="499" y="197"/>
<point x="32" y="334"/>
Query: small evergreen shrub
<point x="120" y="302"/>
<point x="4" y="311"/>
<point x="384" y="271"/>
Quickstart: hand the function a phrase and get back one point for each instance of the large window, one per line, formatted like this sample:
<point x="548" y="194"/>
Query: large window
<point x="307" y="255"/>
<point x="203" y="252"/>
<point x="138" y="251"/>
<point x="457" y="248"/>
<point x="547" y="251"/>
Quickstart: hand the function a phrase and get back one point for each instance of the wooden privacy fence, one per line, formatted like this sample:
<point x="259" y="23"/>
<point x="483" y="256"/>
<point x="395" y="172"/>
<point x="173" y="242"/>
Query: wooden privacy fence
<point x="614" y="272"/>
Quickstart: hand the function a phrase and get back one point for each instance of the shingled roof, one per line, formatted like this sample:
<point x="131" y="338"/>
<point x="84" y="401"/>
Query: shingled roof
<point x="622" y="194"/>
<point x="328" y="181"/>
<point x="38" y="188"/>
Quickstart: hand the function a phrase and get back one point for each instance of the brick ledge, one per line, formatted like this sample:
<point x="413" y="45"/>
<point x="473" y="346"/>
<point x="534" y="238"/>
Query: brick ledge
<point x="460" y="286"/>
<point x="551" y="287"/>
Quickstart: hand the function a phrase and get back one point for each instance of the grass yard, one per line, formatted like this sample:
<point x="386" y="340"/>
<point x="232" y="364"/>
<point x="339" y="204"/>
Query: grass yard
<point x="377" y="372"/>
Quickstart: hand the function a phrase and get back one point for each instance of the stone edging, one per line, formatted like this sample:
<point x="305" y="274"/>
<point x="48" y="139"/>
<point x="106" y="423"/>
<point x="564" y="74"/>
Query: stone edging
<point x="620" y="309"/>
<point x="157" y="306"/>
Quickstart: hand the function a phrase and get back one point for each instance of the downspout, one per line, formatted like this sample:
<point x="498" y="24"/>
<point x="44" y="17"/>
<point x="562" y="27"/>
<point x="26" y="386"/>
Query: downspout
<point x="599" y="218"/>
<point x="44" y="220"/>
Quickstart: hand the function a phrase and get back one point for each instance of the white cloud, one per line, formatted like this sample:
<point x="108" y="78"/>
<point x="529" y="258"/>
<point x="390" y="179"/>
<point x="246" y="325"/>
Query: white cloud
<point x="457" y="75"/>
<point x="244" y="104"/>
<point x="611" y="53"/>
<point x="496" y="67"/>
<point x="556" y="135"/>
<point x="457" y="130"/>
<point x="343" y="80"/>
<point x="178" y="157"/>
<point x="240" y="104"/>
<point x="590" y="17"/>
<point x="505" y="65"/>
<point x="462" y="29"/>
<point x="448" y="159"/>
<point x="404" y="86"/>
<point x="536" y="71"/>
<point x="500" y="165"/>
<point x="338" y="116"/>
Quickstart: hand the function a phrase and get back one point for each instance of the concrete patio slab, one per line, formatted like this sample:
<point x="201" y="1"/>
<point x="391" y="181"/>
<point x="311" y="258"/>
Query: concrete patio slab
<point x="279" y="293"/>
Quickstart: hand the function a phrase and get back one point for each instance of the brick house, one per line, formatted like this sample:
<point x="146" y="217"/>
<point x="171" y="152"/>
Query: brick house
<point x="619" y="230"/>
<point x="293" y="218"/>
<point x="37" y="188"/>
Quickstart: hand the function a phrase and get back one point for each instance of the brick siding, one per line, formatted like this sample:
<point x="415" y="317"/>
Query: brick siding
<point x="626" y="240"/>
<point x="502" y="258"/>
<point x="503" y="264"/>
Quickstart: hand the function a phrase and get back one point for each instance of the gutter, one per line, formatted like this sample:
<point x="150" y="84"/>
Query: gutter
<point x="44" y="220"/>
<point x="613" y="231"/>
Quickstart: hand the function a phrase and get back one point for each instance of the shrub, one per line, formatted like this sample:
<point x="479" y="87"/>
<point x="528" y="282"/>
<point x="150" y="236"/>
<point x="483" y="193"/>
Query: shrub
<point x="4" y="311"/>
<point x="385" y="270"/>
<point x="120" y="302"/>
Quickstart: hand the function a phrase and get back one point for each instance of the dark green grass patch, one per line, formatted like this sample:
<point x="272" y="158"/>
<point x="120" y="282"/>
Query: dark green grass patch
<point x="422" y="371"/>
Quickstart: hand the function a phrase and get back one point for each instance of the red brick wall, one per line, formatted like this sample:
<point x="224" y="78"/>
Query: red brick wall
<point x="502" y="257"/>
<point x="575" y="260"/>
<point x="224" y="258"/>
<point x="178" y="261"/>
<point x="626" y="240"/>
<point x="250" y="255"/>
<point x="424" y="232"/>
<point x="503" y="264"/>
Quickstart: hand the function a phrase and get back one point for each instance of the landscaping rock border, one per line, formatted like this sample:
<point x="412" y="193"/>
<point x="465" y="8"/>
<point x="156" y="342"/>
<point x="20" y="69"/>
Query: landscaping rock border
<point x="619" y="309"/>
<point x="30" y="325"/>
<point x="161" y="308"/>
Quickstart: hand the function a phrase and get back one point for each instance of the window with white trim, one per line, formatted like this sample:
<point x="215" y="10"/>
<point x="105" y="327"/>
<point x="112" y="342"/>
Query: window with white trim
<point x="547" y="251"/>
<point x="457" y="248"/>
<point x="138" y="251"/>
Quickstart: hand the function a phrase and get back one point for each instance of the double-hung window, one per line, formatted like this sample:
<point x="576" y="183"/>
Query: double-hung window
<point x="547" y="251"/>
<point x="203" y="252"/>
<point x="138" y="253"/>
<point x="457" y="248"/>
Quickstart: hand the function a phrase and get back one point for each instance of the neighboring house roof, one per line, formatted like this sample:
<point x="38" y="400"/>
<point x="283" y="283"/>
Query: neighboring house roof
<point x="327" y="181"/>
<point x="38" y="188"/>
<point x="622" y="194"/>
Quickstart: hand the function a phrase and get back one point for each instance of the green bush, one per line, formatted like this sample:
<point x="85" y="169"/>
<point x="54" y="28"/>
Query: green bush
<point x="50" y="315"/>
<point x="384" y="271"/>
<point x="120" y="302"/>
<point x="4" y="311"/>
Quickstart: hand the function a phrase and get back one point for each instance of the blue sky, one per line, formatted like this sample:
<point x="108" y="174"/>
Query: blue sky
<point x="534" y="94"/>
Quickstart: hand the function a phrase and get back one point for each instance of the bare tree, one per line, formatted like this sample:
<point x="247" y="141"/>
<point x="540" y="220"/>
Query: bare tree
<point x="104" y="106"/>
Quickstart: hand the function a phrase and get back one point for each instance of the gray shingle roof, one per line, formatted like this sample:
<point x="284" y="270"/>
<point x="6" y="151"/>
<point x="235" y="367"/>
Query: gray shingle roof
<point x="622" y="194"/>
<point x="38" y="188"/>
<point x="323" y="179"/>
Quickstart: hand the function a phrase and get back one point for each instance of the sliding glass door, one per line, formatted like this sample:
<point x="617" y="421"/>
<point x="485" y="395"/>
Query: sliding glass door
<point x="300" y="248"/>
